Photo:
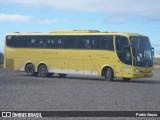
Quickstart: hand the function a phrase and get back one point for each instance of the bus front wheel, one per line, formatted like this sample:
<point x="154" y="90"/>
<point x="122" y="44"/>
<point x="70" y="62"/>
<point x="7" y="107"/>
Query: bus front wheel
<point x="109" y="75"/>
<point x="30" y="69"/>
<point x="43" y="72"/>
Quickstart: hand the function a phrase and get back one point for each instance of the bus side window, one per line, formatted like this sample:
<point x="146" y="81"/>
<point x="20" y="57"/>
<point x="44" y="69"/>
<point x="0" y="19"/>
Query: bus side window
<point x="69" y="42"/>
<point x="94" y="43"/>
<point x="28" y="41"/>
<point x="79" y="42"/>
<point x="103" y="44"/>
<point x="83" y="44"/>
<point x="88" y="44"/>
<point x="59" y="42"/>
<point x="40" y="43"/>
<point x="43" y="42"/>
<point x="50" y="43"/>
<point x="120" y="42"/>
<point x="10" y="41"/>
<point x="15" y="38"/>
<point x="23" y="41"/>
<point x="20" y="41"/>
<point x="110" y="42"/>
<point x="106" y="43"/>
<point x="33" y="42"/>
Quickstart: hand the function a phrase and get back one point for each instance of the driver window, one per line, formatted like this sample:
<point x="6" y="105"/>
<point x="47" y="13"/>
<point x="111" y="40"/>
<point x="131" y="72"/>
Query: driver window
<point x="123" y="52"/>
<point x="127" y="56"/>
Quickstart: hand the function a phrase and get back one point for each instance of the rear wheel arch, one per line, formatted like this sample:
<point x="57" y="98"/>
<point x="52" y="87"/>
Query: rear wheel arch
<point x="41" y="64"/>
<point x="28" y="64"/>
<point x="30" y="68"/>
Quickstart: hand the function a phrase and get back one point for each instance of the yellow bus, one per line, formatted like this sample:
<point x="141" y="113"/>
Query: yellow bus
<point x="80" y="52"/>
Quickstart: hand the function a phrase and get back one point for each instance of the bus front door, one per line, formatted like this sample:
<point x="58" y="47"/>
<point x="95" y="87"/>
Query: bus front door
<point x="118" y="69"/>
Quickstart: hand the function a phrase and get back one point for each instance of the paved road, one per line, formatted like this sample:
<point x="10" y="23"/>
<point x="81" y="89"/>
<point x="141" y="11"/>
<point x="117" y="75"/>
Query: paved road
<point x="21" y="92"/>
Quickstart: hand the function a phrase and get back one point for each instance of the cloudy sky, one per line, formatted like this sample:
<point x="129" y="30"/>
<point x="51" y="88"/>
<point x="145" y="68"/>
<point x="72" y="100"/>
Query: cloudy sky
<point x="135" y="16"/>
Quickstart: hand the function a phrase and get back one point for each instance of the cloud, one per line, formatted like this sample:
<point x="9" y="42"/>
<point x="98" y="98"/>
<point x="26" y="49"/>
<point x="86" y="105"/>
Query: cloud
<point x="108" y="6"/>
<point x="14" y="18"/>
<point x="146" y="8"/>
<point x="49" y="21"/>
<point x="116" y="19"/>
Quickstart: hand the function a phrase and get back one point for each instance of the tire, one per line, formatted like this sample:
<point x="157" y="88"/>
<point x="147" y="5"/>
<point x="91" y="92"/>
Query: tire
<point x="62" y="75"/>
<point x="109" y="75"/>
<point x="126" y="79"/>
<point x="43" y="71"/>
<point x="30" y="70"/>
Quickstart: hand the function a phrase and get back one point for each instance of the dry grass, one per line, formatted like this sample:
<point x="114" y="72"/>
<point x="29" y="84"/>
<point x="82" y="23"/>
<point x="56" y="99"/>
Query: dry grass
<point x="156" y="66"/>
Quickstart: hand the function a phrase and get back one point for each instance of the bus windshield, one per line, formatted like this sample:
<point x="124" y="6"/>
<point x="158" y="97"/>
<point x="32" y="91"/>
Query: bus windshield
<point x="142" y="51"/>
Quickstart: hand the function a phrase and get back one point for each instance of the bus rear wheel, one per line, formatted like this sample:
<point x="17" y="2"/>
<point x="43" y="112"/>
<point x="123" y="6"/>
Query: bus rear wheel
<point x="62" y="75"/>
<point x="29" y="69"/>
<point x="109" y="75"/>
<point x="126" y="79"/>
<point x="42" y="70"/>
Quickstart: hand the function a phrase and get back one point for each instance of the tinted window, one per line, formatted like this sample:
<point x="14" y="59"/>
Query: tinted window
<point x="33" y="42"/>
<point x="85" y="42"/>
<point x="50" y="42"/>
<point x="37" y="41"/>
<point x="23" y="41"/>
<point x="121" y="42"/>
<point x="59" y="42"/>
<point x="10" y="41"/>
<point x="106" y="43"/>
<point x="142" y="51"/>
<point x="123" y="50"/>
<point x="95" y="42"/>
<point x="68" y="42"/>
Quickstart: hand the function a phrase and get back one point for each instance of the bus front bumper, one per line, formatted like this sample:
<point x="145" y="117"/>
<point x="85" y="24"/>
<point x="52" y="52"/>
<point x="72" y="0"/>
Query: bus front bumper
<point x="142" y="75"/>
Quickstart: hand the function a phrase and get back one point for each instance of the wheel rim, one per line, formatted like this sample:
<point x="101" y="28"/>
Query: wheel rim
<point x="30" y="70"/>
<point x="43" y="71"/>
<point x="108" y="74"/>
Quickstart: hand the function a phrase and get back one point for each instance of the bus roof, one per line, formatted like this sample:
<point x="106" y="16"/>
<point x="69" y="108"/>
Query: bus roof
<point x="76" y="32"/>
